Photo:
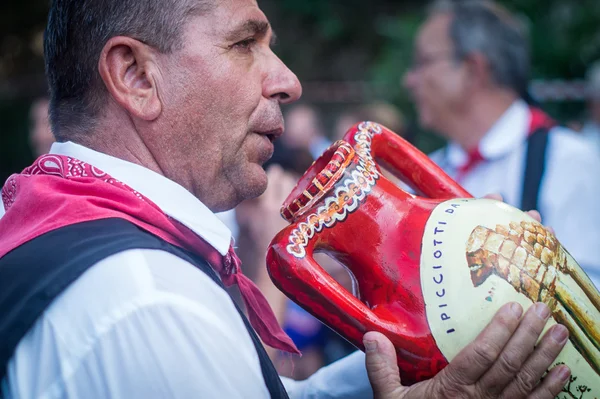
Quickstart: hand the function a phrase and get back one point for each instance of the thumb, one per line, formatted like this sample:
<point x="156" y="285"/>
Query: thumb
<point x="496" y="197"/>
<point x="382" y="366"/>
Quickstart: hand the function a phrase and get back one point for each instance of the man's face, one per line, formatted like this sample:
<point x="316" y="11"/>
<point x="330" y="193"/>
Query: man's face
<point x="221" y="96"/>
<point x="437" y="80"/>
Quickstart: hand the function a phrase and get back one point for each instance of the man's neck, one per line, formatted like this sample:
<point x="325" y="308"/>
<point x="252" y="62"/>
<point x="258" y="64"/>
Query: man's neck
<point x="121" y="142"/>
<point x="485" y="110"/>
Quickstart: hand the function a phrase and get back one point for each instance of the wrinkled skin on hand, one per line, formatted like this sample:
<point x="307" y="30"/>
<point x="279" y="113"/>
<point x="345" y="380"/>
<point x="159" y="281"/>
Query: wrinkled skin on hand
<point x="502" y="362"/>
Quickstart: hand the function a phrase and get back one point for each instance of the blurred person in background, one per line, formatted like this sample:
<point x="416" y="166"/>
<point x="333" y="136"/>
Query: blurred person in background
<point x="591" y="127"/>
<point x="259" y="221"/>
<point x="471" y="64"/>
<point x="40" y="134"/>
<point x="381" y="112"/>
<point x="304" y="130"/>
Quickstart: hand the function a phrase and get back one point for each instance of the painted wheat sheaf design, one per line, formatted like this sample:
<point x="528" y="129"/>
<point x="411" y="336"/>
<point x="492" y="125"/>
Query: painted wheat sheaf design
<point x="533" y="262"/>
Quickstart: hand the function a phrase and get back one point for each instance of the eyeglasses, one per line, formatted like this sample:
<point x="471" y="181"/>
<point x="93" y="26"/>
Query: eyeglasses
<point x="422" y="61"/>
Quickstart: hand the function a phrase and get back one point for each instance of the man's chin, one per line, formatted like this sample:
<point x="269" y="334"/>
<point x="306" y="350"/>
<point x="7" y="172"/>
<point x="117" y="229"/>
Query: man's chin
<point x="256" y="190"/>
<point x="248" y="185"/>
<point x="236" y="185"/>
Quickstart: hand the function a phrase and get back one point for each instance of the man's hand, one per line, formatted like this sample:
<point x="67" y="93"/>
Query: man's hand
<point x="502" y="362"/>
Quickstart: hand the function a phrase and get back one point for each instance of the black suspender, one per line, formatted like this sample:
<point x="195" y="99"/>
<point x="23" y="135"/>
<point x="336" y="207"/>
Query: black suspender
<point x="535" y="164"/>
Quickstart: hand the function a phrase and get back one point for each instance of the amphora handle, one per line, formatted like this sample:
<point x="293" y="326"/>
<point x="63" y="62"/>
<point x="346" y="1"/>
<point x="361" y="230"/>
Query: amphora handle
<point x="290" y="259"/>
<point x="404" y="161"/>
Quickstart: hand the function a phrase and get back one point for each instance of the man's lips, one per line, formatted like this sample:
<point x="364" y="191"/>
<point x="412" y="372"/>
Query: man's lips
<point x="266" y="148"/>
<point x="271" y="134"/>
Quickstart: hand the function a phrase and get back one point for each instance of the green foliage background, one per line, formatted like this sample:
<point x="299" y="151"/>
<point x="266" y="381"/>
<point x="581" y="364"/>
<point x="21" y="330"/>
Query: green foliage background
<point x="321" y="40"/>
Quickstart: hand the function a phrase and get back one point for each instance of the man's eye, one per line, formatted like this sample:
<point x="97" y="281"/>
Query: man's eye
<point x="245" y="44"/>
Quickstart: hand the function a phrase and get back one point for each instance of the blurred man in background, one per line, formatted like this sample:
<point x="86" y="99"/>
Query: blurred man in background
<point x="471" y="65"/>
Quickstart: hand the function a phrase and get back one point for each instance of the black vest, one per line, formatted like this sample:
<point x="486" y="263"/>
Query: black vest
<point x="35" y="273"/>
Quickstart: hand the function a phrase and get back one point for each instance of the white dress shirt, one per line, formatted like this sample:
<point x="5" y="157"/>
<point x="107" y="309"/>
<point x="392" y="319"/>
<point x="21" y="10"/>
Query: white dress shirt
<point x="570" y="188"/>
<point x="591" y="132"/>
<point x="147" y="324"/>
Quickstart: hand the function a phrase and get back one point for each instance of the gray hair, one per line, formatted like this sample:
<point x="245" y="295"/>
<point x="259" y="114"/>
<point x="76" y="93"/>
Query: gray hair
<point x="76" y="33"/>
<point x="481" y="26"/>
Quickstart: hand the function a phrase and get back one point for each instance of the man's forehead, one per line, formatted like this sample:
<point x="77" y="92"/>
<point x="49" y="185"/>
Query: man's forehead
<point x="230" y="21"/>
<point x="235" y="13"/>
<point x="435" y="32"/>
<point x="233" y="19"/>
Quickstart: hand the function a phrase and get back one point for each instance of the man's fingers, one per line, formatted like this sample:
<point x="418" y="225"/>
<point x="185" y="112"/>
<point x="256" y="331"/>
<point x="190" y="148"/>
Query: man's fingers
<point x="536" y="215"/>
<point x="382" y="366"/>
<point x="553" y="383"/>
<point x="477" y="357"/>
<point x="514" y="355"/>
<point x="533" y="213"/>
<point x="538" y="363"/>
<point x="496" y="197"/>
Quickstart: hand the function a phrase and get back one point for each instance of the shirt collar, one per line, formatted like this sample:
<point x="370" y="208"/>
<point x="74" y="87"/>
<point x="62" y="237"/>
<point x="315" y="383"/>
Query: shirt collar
<point x="507" y="133"/>
<point x="173" y="199"/>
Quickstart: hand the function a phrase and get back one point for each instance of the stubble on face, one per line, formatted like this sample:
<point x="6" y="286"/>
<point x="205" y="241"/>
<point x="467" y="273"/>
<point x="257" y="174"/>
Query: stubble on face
<point x="242" y="166"/>
<point x="216" y="119"/>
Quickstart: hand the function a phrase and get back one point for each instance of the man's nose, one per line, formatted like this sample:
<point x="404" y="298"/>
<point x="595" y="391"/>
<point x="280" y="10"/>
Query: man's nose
<point x="282" y="84"/>
<point x="408" y="81"/>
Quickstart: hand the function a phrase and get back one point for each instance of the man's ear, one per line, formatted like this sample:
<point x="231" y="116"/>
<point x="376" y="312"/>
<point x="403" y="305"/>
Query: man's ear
<point x="129" y="70"/>
<point x="479" y="69"/>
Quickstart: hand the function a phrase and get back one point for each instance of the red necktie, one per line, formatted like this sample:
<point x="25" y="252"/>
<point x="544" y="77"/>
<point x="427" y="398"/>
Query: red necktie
<point x="474" y="157"/>
<point x="259" y="311"/>
<point x="538" y="119"/>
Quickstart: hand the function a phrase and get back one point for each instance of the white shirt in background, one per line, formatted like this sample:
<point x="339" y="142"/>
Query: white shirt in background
<point x="591" y="132"/>
<point x="570" y="189"/>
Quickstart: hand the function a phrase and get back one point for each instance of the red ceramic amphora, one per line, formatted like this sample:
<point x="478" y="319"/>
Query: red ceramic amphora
<point x="430" y="269"/>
